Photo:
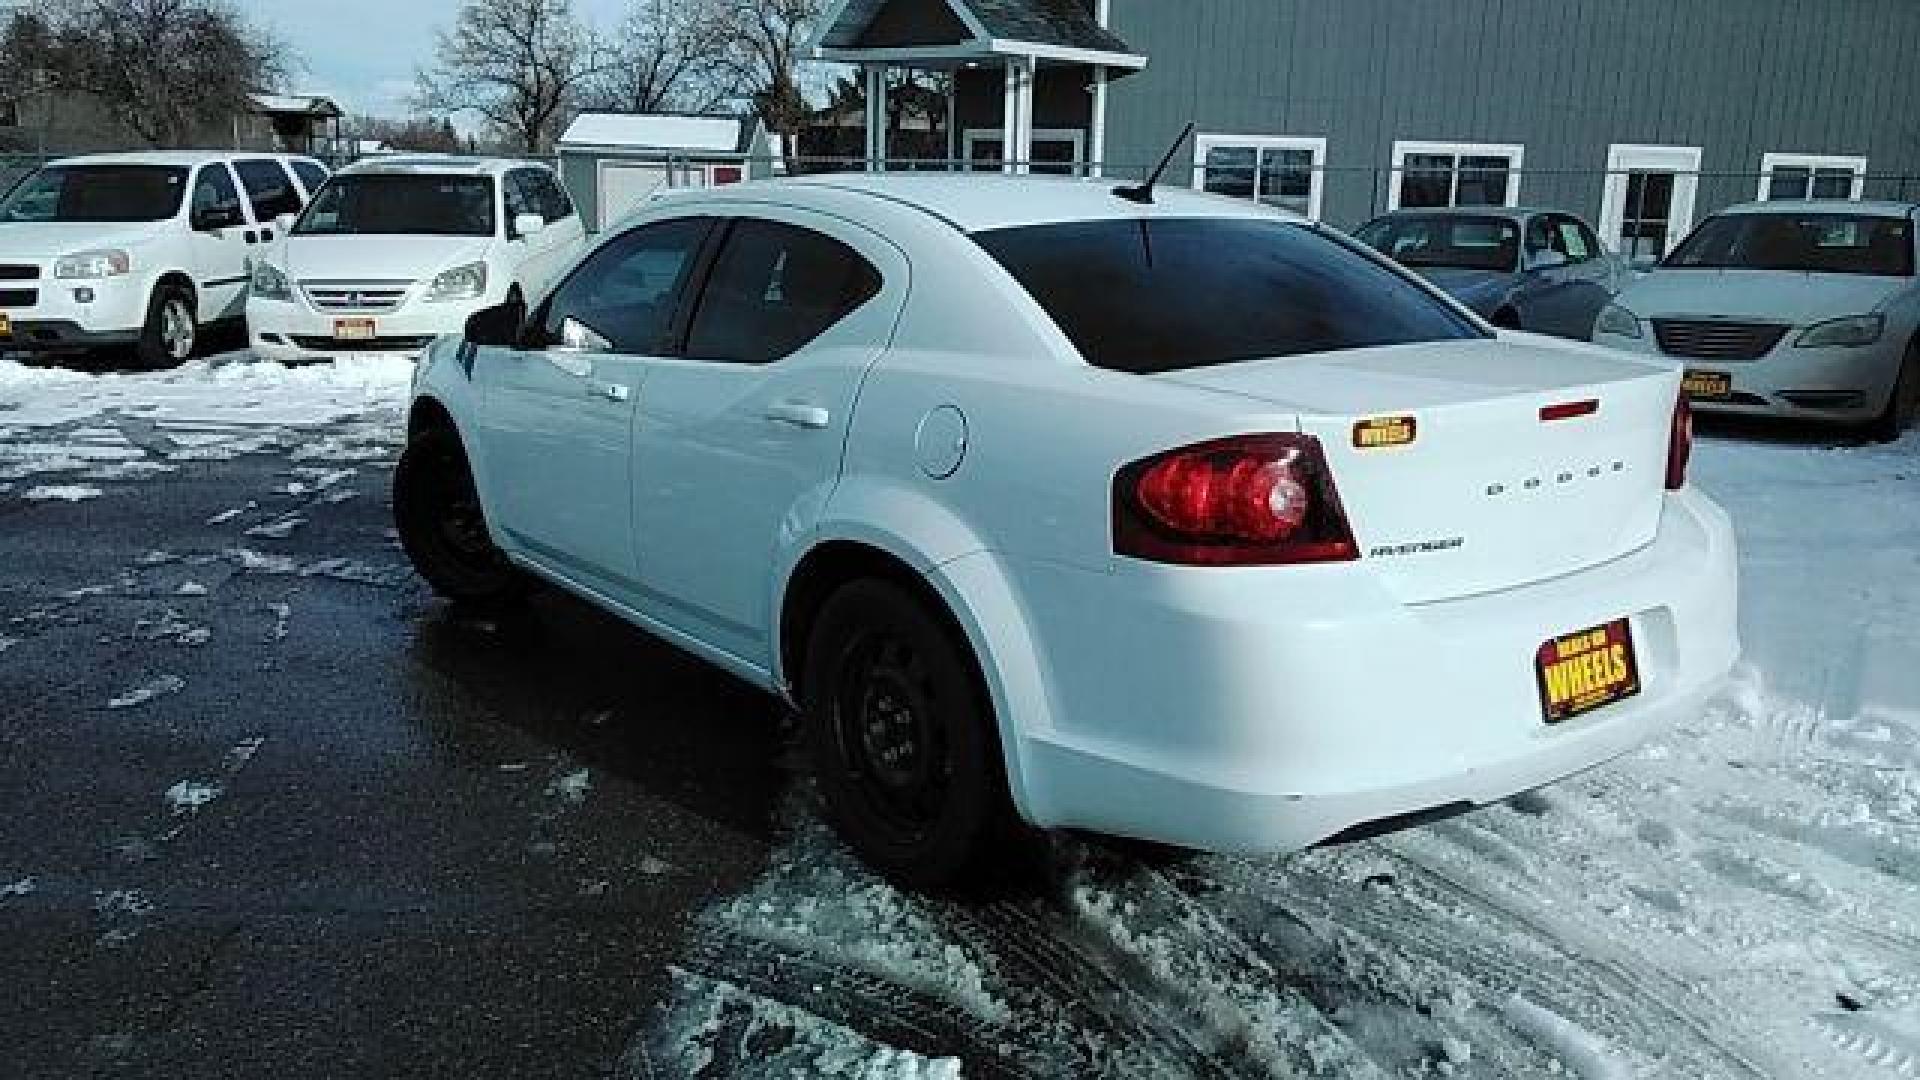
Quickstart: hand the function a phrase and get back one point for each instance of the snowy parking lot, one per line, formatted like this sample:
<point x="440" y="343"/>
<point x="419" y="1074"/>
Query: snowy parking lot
<point x="255" y="780"/>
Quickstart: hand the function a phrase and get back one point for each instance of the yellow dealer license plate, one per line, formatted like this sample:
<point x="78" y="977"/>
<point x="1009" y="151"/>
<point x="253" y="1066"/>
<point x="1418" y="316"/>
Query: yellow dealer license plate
<point x="1707" y="384"/>
<point x="353" y="329"/>
<point x="1586" y="671"/>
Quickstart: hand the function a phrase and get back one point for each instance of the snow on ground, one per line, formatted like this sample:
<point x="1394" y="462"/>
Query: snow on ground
<point x="1740" y="898"/>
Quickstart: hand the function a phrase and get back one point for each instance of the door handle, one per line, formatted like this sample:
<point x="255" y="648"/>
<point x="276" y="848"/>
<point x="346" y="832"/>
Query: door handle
<point x="798" y="413"/>
<point x="609" y="391"/>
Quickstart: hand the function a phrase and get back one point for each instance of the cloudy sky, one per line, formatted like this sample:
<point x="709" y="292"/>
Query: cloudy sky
<point x="363" y="53"/>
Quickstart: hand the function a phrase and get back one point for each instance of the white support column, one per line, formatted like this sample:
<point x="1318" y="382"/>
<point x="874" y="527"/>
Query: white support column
<point x="876" y="118"/>
<point x="1016" y="143"/>
<point x="1097" y="143"/>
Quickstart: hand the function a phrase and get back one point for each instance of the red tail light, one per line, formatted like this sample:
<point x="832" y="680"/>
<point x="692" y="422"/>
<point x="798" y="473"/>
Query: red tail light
<point x="1680" y="444"/>
<point x="1246" y="501"/>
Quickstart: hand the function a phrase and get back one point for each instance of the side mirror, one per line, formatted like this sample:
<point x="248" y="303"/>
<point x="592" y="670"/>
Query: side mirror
<point x="284" y="223"/>
<point x="497" y="327"/>
<point x="1547" y="260"/>
<point x="576" y="336"/>
<point x="525" y="225"/>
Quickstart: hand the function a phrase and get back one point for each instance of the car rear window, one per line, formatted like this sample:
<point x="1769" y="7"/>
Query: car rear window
<point x="1821" y="243"/>
<point x="1150" y="296"/>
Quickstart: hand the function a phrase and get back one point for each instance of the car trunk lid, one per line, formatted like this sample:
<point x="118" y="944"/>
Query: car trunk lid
<point x="1493" y="489"/>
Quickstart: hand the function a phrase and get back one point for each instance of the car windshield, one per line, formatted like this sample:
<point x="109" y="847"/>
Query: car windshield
<point x="414" y="204"/>
<point x="1450" y="240"/>
<point x="97" y="193"/>
<point x="1808" y="243"/>
<point x="1150" y="296"/>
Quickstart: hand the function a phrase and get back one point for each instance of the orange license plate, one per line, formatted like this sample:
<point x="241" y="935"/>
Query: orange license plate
<point x="1587" y="670"/>
<point x="6" y="325"/>
<point x="353" y="330"/>
<point x="1707" y="384"/>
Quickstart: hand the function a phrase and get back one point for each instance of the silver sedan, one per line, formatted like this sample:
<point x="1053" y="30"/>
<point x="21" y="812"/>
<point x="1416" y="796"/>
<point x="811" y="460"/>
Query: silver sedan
<point x="1803" y="309"/>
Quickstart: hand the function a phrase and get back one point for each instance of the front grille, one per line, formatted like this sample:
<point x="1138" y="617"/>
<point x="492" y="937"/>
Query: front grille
<point x="369" y="297"/>
<point x="314" y="343"/>
<point x="1718" y="340"/>
<point x="19" y="273"/>
<point x="19" y="297"/>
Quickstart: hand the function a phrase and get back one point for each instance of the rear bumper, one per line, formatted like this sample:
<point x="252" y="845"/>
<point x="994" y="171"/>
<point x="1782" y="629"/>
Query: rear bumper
<point x="1259" y="713"/>
<point x="1837" y="385"/>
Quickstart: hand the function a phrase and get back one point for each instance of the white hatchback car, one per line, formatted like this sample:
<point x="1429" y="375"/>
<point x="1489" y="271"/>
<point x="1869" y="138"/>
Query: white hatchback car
<point x="138" y="249"/>
<point x="396" y="251"/>
<point x="1185" y="520"/>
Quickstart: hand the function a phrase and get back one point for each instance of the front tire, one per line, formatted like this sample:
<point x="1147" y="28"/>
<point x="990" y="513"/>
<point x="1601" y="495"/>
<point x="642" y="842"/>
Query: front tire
<point x="1903" y="405"/>
<point x="442" y="526"/>
<point x="903" y="741"/>
<point x="172" y="330"/>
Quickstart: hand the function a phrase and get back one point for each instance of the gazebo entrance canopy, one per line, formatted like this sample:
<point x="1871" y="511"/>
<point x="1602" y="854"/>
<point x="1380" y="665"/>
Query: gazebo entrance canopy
<point x="1020" y="37"/>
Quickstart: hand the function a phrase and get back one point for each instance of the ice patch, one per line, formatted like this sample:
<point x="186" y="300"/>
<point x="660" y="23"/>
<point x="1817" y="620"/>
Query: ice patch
<point x="23" y="887"/>
<point x="709" y="1029"/>
<point x="61" y="493"/>
<point x="572" y="787"/>
<point x="188" y="796"/>
<point x="1585" y="1053"/>
<point x="140" y="695"/>
<point x="191" y="588"/>
<point x="225" y="516"/>
<point x="278" y="530"/>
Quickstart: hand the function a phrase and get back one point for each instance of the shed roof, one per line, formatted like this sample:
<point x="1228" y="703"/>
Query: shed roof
<point x="298" y="104"/>
<point x="707" y="134"/>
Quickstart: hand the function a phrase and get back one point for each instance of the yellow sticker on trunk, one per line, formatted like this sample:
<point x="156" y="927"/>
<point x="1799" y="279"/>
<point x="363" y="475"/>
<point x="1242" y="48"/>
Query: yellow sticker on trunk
<point x="1383" y="431"/>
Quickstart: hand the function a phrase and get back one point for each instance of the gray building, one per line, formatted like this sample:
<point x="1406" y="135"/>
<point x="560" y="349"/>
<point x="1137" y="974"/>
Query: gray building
<point x="1642" y="115"/>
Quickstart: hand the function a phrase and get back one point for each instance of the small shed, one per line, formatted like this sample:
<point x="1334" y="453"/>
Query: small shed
<point x="612" y="162"/>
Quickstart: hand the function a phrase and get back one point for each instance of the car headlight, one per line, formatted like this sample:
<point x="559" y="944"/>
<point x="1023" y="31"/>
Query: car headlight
<point x="459" y="283"/>
<point x="269" y="283"/>
<point x="1848" y="333"/>
<point x="93" y="264"/>
<point x="1617" y="321"/>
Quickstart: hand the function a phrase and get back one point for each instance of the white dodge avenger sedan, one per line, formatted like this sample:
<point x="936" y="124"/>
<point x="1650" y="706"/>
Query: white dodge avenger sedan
<point x="395" y="251"/>
<point x="1053" y="505"/>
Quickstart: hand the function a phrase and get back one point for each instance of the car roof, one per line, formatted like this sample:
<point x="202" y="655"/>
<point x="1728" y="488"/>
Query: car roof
<point x="437" y="165"/>
<point x="1515" y="213"/>
<point x="1876" y="208"/>
<point x="183" y="158"/>
<point x="979" y="202"/>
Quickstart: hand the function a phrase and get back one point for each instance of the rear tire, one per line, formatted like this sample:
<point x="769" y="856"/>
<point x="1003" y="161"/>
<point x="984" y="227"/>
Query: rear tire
<point x="442" y="526"/>
<point x="903" y="741"/>
<point x="172" y="331"/>
<point x="1903" y="405"/>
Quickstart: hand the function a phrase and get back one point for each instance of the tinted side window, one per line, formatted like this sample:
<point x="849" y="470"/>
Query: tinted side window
<point x="269" y="188"/>
<point x="774" y="288"/>
<point x="1151" y="296"/>
<point x="628" y="290"/>
<point x="553" y="197"/>
<point x="216" y="202"/>
<point x="310" y="174"/>
<point x="519" y="196"/>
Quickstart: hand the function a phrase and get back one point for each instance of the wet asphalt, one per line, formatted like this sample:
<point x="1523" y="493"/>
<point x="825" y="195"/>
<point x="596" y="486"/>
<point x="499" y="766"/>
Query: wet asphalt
<point x="352" y="832"/>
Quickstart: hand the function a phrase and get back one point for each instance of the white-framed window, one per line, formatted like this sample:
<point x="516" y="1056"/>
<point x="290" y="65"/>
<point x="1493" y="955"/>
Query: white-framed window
<point x="1055" y="150"/>
<point x="1281" y="171"/>
<point x="1455" y="174"/>
<point x="1812" y="176"/>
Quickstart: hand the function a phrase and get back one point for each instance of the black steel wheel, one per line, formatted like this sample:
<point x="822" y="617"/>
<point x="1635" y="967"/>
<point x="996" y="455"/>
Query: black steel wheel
<point x="1903" y="405"/>
<point x="442" y="526"/>
<point x="902" y="737"/>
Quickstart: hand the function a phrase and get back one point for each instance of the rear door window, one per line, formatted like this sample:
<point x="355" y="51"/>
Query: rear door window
<point x="269" y="188"/>
<point x="310" y="174"/>
<point x="1150" y="296"/>
<point x="774" y="288"/>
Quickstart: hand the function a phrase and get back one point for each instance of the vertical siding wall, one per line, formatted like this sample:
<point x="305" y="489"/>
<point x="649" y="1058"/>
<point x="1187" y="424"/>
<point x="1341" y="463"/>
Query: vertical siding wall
<point x="1565" y="78"/>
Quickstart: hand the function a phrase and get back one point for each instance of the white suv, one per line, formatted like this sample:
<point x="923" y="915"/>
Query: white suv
<point x="396" y="251"/>
<point x="138" y="249"/>
<point x="1181" y="519"/>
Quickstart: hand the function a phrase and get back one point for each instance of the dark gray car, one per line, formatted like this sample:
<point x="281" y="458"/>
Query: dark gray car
<point x="1523" y="269"/>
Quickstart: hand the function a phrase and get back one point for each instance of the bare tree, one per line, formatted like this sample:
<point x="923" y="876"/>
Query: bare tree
<point x="520" y="64"/>
<point x="768" y="38"/>
<point x="668" y="55"/>
<point x="164" y="68"/>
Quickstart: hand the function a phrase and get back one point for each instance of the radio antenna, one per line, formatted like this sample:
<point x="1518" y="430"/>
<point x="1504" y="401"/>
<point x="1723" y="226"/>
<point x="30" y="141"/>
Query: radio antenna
<point x="1143" y="193"/>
